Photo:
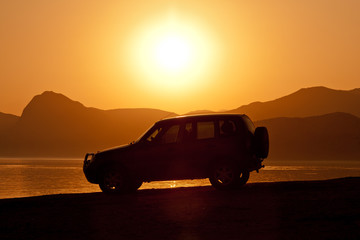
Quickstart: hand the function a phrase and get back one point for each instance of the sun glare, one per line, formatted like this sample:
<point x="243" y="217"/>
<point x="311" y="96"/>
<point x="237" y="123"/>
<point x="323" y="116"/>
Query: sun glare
<point x="171" y="55"/>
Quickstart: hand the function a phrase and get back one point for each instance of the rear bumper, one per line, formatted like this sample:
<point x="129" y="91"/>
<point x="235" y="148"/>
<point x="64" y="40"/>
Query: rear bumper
<point x="256" y="165"/>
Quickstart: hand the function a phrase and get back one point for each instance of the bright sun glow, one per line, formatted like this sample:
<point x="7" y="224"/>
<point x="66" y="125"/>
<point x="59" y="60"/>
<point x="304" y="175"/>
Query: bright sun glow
<point x="172" y="55"/>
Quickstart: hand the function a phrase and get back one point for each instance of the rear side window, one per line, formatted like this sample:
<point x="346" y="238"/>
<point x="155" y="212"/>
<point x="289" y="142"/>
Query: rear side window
<point x="227" y="127"/>
<point x="205" y="130"/>
<point x="249" y="124"/>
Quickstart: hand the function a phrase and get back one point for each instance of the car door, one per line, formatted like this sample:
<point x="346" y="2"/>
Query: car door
<point x="206" y="144"/>
<point x="157" y="153"/>
<point x="181" y="165"/>
<point x="197" y="147"/>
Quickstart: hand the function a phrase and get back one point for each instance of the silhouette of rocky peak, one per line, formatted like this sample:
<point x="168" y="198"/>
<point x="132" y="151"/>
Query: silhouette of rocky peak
<point x="324" y="90"/>
<point x="325" y="98"/>
<point x="50" y="102"/>
<point x="305" y="102"/>
<point x="313" y="92"/>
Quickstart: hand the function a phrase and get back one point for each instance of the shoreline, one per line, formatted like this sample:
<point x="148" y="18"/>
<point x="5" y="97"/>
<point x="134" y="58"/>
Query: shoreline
<point x="325" y="209"/>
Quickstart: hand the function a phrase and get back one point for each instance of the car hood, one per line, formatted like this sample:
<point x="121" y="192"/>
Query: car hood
<point x="114" y="150"/>
<point x="124" y="146"/>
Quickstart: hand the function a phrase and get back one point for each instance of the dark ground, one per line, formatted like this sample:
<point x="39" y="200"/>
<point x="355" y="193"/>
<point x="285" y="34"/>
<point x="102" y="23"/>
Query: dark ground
<point x="280" y="210"/>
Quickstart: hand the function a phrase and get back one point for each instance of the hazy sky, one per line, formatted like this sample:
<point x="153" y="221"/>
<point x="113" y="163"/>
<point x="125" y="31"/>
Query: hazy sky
<point x="175" y="55"/>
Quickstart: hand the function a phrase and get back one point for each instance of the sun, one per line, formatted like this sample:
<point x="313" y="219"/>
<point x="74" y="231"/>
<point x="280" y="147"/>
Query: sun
<point x="171" y="54"/>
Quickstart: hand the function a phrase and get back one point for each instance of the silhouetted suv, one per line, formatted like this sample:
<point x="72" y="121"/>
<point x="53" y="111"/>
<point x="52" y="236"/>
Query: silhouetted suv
<point x="222" y="147"/>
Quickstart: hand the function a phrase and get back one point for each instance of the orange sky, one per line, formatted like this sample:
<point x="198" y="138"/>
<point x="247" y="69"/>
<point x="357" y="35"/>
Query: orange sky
<point x="99" y="52"/>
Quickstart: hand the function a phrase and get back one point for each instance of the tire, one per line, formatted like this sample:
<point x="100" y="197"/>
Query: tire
<point x="114" y="180"/>
<point x="261" y="142"/>
<point x="243" y="178"/>
<point x="224" y="176"/>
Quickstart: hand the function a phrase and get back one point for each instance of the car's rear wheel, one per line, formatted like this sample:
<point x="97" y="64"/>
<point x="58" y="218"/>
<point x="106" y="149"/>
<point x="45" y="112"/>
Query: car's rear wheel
<point x="224" y="176"/>
<point x="114" y="181"/>
<point x="243" y="178"/>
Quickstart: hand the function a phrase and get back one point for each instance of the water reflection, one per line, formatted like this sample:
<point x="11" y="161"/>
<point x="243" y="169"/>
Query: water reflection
<point x="173" y="184"/>
<point x="32" y="177"/>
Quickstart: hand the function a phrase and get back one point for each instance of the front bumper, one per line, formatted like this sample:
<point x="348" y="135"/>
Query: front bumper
<point x="89" y="168"/>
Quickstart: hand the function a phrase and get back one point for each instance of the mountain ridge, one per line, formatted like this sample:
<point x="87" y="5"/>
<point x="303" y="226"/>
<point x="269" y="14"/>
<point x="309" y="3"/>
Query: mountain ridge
<point x="353" y="94"/>
<point x="55" y="125"/>
<point x="325" y="137"/>
<point x="7" y="121"/>
<point x="304" y="103"/>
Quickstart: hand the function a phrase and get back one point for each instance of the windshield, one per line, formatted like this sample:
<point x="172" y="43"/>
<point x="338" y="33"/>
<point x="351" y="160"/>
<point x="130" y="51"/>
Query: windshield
<point x="145" y="133"/>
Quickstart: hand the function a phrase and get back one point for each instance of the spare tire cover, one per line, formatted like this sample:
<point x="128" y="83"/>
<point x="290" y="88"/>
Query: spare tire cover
<point x="261" y="141"/>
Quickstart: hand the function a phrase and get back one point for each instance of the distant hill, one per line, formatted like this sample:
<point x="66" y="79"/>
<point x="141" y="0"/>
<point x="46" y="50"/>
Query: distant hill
<point x="304" y="103"/>
<point x="330" y="136"/>
<point x="7" y="121"/>
<point x="199" y="112"/>
<point x="54" y="125"/>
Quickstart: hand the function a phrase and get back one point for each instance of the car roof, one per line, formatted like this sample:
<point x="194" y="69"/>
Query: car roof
<point x="199" y="117"/>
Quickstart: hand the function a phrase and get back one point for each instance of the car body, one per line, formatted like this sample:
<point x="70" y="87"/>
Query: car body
<point x="222" y="147"/>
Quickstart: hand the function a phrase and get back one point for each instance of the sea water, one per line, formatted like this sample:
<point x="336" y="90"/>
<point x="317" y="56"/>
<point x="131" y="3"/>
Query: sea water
<point x="24" y="177"/>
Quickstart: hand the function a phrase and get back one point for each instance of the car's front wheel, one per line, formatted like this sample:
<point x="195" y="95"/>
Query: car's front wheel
<point x="114" y="181"/>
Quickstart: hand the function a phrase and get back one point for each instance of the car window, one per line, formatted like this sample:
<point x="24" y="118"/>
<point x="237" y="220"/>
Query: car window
<point x="227" y="127"/>
<point x="171" y="134"/>
<point x="249" y="124"/>
<point x="205" y="130"/>
<point x="153" y="135"/>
